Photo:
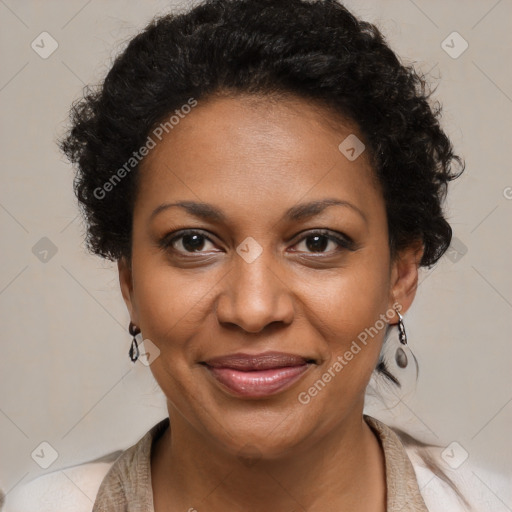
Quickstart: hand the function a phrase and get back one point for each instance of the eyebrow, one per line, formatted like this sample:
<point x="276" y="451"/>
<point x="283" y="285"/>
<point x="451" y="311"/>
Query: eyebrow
<point x="208" y="212"/>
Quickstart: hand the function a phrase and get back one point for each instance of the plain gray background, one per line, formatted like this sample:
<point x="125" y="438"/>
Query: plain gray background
<point x="65" y="373"/>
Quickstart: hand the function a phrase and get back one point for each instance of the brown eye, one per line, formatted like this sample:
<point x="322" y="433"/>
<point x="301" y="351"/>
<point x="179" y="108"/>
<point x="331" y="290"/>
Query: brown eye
<point x="186" y="242"/>
<point x="318" y="242"/>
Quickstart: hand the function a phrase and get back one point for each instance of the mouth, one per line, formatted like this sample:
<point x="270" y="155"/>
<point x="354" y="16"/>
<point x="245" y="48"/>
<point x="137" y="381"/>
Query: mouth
<point x="259" y="375"/>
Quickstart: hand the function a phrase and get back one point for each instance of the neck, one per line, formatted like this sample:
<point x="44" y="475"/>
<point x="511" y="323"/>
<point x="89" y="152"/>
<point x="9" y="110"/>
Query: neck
<point x="345" y="468"/>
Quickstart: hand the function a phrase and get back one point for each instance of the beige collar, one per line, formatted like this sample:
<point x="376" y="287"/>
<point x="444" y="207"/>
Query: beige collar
<point x="403" y="494"/>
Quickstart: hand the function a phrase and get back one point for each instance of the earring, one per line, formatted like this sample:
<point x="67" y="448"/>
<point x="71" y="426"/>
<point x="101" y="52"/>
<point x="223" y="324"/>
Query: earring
<point x="400" y="355"/>
<point x="134" y="348"/>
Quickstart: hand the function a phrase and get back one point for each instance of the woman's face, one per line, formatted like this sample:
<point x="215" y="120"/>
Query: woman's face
<point x="255" y="276"/>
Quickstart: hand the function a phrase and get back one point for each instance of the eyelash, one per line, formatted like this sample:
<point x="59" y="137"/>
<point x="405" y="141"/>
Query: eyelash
<point x="343" y="242"/>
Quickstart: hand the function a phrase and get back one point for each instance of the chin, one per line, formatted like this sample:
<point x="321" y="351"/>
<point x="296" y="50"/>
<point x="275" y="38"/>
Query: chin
<point x="273" y="437"/>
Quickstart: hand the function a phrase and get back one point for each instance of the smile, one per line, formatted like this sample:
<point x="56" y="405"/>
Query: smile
<point x="257" y="376"/>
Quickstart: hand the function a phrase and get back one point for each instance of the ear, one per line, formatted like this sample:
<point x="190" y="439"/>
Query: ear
<point x="126" y="283"/>
<point x="404" y="276"/>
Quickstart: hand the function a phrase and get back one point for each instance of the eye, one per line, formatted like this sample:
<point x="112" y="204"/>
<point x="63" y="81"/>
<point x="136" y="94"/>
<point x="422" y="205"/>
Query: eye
<point x="318" y="241"/>
<point x="189" y="241"/>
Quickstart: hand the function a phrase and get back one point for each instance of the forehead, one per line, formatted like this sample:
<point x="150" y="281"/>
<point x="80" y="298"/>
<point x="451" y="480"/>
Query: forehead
<point x="258" y="153"/>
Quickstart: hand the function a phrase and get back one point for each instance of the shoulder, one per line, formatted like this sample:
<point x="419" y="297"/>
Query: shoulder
<point x="76" y="488"/>
<point x="73" y="488"/>
<point x="461" y="488"/>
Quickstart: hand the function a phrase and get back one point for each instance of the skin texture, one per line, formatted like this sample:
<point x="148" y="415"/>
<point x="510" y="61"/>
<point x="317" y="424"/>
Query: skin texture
<point x="254" y="159"/>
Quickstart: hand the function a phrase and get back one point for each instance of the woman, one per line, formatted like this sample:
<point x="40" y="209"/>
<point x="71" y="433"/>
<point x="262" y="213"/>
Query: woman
<point x="269" y="178"/>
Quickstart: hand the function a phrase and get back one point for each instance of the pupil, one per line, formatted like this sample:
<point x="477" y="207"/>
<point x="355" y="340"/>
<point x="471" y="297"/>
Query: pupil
<point x="316" y="245"/>
<point x="196" y="244"/>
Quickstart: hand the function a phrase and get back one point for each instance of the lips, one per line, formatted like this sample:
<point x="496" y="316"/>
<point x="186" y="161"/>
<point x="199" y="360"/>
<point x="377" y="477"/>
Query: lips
<point x="258" y="375"/>
<point x="265" y="361"/>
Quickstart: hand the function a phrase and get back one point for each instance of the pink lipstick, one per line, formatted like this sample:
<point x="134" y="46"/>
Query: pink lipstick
<point x="258" y="375"/>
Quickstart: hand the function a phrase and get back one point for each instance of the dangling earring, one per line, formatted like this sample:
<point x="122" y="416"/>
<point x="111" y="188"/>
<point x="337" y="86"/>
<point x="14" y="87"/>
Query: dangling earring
<point x="134" y="348"/>
<point x="400" y="355"/>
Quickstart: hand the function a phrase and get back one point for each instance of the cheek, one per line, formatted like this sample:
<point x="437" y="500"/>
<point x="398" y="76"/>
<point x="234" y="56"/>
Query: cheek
<point x="354" y="311"/>
<point x="171" y="306"/>
<point x="351" y="328"/>
<point x="170" y="303"/>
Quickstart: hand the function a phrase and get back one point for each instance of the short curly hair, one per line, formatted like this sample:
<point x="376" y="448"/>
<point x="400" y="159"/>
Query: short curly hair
<point x="316" y="50"/>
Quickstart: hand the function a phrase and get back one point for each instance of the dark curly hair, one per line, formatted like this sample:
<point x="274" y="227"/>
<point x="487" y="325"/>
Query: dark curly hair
<point x="316" y="50"/>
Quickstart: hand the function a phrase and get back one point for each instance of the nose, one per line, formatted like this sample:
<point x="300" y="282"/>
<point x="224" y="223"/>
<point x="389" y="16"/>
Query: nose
<point x="255" y="295"/>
